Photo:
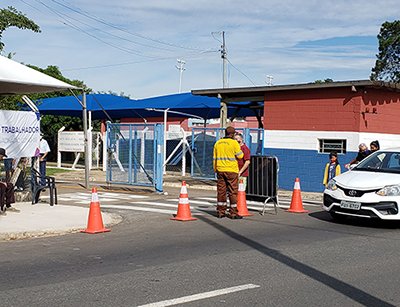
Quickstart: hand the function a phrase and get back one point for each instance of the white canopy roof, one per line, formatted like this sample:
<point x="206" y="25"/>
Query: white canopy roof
<point x="16" y="78"/>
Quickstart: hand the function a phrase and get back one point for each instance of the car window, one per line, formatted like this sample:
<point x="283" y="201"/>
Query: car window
<point x="381" y="162"/>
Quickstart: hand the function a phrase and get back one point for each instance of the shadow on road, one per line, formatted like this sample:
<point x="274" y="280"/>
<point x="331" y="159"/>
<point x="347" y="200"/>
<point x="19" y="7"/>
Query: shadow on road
<point x="353" y="221"/>
<point x="346" y="289"/>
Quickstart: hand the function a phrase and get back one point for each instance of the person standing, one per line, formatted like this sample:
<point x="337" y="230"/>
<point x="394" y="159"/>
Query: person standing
<point x="374" y="146"/>
<point x="245" y="161"/>
<point x="44" y="151"/>
<point x="6" y="191"/>
<point x="332" y="168"/>
<point x="225" y="155"/>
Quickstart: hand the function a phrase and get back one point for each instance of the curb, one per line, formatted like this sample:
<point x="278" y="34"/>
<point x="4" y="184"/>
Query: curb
<point x="11" y="236"/>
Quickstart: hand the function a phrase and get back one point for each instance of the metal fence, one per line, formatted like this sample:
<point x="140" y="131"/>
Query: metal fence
<point x="262" y="182"/>
<point x="202" y="145"/>
<point x="135" y="155"/>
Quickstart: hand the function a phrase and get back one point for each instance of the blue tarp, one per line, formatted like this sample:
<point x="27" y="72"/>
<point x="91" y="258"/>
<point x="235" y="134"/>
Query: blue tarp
<point x="121" y="107"/>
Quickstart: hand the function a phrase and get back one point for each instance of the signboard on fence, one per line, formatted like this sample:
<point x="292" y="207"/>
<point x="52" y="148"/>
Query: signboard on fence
<point x="71" y="141"/>
<point x="19" y="133"/>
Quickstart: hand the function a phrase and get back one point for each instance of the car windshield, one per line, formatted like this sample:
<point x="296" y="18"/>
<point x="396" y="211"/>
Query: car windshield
<point x="381" y="161"/>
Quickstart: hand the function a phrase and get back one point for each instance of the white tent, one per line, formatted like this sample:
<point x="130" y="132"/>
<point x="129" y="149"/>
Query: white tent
<point x="16" y="78"/>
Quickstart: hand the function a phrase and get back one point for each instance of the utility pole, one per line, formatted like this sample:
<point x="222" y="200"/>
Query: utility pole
<point x="181" y="67"/>
<point x="269" y="80"/>
<point x="224" y="107"/>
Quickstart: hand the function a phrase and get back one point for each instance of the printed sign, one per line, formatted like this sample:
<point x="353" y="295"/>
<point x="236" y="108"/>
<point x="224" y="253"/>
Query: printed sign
<point x="71" y="141"/>
<point x="19" y="133"/>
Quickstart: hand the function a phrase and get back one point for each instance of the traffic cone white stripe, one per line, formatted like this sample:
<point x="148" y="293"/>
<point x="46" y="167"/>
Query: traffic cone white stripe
<point x="296" y="185"/>
<point x="184" y="190"/>
<point x="184" y="201"/>
<point x="95" y="197"/>
<point x="241" y="187"/>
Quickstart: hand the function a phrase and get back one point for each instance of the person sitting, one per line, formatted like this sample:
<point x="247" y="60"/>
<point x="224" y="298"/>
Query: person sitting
<point x="363" y="152"/>
<point x="6" y="191"/>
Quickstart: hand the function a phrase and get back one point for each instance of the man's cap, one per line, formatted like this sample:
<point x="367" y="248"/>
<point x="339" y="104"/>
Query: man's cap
<point x="229" y="130"/>
<point x="3" y="152"/>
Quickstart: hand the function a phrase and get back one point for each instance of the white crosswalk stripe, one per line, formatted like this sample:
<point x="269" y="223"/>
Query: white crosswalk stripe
<point x="145" y="203"/>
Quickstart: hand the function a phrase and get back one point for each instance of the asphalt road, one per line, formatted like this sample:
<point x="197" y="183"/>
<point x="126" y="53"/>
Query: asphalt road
<point x="291" y="259"/>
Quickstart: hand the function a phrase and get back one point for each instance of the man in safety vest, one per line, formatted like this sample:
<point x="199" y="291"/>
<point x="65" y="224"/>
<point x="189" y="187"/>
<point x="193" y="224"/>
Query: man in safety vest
<point x="226" y="153"/>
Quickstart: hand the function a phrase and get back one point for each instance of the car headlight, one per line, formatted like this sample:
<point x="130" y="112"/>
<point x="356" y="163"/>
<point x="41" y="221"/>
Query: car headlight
<point x="331" y="185"/>
<point x="389" y="190"/>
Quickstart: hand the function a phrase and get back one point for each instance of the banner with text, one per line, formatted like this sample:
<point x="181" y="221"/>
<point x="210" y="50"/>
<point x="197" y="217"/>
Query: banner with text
<point x="19" y="133"/>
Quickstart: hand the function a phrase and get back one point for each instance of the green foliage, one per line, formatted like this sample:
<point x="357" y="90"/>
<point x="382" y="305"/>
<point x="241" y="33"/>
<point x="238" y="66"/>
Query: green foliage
<point x="387" y="65"/>
<point x="10" y="17"/>
<point x="327" y="80"/>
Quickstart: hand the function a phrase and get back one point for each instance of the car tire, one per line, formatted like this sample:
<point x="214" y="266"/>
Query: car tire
<point x="337" y="217"/>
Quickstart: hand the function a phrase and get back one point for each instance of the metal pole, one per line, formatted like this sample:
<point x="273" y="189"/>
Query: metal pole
<point x="224" y="108"/>
<point x="165" y="141"/>
<point x="85" y="136"/>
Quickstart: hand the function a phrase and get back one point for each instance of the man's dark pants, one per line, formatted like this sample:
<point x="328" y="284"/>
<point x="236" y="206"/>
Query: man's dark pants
<point x="227" y="182"/>
<point x="6" y="195"/>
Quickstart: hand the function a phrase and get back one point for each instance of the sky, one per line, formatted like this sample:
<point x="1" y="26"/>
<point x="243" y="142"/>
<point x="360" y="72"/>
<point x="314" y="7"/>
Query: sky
<point x="132" y="47"/>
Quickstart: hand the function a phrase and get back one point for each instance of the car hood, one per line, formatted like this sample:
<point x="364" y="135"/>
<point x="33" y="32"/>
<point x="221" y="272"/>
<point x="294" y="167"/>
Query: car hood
<point x="367" y="180"/>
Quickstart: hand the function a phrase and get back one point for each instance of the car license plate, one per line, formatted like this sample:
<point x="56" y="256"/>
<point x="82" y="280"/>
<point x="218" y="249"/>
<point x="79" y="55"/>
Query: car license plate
<point x="350" y="205"/>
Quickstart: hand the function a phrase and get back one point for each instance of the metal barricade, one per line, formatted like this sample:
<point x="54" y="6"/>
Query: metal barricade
<point x="263" y="180"/>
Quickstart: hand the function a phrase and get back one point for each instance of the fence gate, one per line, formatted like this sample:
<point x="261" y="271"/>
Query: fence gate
<point x="202" y="144"/>
<point x="135" y="155"/>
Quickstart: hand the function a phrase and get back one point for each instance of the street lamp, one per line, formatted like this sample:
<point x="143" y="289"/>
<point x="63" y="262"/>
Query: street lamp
<point x="165" y="111"/>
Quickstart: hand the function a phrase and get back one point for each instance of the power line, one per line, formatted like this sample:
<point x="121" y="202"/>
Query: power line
<point x="130" y="63"/>
<point x="241" y="72"/>
<point x="81" y="12"/>
<point x="70" y="24"/>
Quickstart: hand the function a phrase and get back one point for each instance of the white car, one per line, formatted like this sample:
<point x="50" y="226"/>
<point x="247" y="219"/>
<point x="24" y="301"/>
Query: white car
<point x="369" y="190"/>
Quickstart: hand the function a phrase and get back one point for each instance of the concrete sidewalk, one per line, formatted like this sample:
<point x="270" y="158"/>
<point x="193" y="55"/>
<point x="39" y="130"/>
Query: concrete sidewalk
<point x="45" y="220"/>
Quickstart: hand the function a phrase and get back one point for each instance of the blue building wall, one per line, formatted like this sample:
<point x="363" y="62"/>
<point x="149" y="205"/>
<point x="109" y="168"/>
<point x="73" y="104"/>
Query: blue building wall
<point x="307" y="165"/>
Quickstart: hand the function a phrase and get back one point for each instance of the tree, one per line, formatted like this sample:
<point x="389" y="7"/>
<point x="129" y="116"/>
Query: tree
<point x="387" y="65"/>
<point x="10" y="17"/>
<point x="327" y="80"/>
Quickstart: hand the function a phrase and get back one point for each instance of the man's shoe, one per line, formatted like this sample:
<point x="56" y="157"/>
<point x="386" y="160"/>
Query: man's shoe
<point x="221" y="211"/>
<point x="3" y="213"/>
<point x="234" y="214"/>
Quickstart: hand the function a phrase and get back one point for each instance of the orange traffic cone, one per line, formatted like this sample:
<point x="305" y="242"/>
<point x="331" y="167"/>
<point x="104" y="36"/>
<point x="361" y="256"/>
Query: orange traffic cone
<point x="183" y="213"/>
<point x="95" y="221"/>
<point x="296" y="205"/>
<point x="241" y="200"/>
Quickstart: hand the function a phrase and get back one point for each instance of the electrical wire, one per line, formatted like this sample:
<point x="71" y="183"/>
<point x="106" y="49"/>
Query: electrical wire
<point x="81" y="12"/>
<point x="241" y="72"/>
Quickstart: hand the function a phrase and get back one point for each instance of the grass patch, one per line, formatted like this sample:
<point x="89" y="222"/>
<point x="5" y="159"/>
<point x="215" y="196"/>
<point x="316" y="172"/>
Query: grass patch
<point x="55" y="171"/>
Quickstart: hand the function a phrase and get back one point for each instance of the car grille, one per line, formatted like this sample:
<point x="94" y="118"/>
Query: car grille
<point x="355" y="193"/>
<point x="387" y="208"/>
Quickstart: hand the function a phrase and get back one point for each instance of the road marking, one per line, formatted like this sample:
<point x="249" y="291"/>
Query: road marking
<point x="200" y="296"/>
<point x="109" y="206"/>
<point x="139" y="209"/>
<point x="199" y="202"/>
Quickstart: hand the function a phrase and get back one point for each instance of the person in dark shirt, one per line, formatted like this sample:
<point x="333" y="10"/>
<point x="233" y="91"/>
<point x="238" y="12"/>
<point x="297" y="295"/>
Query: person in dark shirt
<point x="6" y="191"/>
<point x="363" y="152"/>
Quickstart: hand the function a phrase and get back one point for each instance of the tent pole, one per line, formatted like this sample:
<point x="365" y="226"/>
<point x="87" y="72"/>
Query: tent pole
<point x="85" y="136"/>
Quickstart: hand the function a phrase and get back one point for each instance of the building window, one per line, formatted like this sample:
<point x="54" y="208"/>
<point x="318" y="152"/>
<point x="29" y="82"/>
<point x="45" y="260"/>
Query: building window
<point x="329" y="145"/>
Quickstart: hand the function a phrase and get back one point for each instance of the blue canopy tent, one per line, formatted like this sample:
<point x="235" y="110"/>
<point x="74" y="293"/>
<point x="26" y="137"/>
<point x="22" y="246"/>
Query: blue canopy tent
<point x="106" y="106"/>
